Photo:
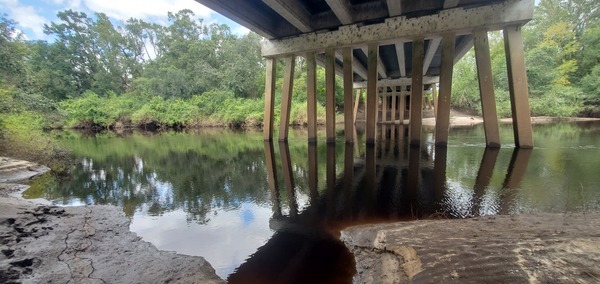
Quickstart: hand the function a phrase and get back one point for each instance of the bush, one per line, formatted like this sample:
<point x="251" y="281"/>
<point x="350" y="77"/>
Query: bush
<point x="171" y="112"/>
<point x="560" y="101"/>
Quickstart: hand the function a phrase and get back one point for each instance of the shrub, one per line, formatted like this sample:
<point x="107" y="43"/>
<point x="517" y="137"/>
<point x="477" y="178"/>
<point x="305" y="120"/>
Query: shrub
<point x="171" y="112"/>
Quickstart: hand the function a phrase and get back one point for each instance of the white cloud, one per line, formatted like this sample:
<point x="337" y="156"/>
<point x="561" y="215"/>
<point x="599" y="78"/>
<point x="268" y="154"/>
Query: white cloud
<point x="240" y="31"/>
<point x="27" y="16"/>
<point x="140" y="9"/>
<point x="68" y="4"/>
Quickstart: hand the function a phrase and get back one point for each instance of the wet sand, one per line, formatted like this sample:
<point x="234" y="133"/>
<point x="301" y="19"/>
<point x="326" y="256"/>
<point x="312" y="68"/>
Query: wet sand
<point x="531" y="248"/>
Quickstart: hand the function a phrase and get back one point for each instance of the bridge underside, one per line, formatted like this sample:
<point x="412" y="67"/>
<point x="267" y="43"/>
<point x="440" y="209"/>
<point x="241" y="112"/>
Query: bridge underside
<point x="388" y="47"/>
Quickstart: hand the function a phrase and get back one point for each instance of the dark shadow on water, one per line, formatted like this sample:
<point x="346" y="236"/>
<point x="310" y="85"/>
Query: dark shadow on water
<point x="389" y="182"/>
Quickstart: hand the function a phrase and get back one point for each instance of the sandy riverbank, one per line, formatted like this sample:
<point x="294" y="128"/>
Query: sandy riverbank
<point x="532" y="248"/>
<point x="89" y="244"/>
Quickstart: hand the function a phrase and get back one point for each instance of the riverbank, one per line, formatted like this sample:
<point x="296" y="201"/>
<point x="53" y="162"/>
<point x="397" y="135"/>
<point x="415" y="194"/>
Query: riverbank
<point x="530" y="248"/>
<point x="86" y="244"/>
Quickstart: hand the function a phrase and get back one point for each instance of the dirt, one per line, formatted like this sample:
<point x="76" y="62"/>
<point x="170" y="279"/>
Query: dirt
<point x="87" y="244"/>
<point x="533" y="248"/>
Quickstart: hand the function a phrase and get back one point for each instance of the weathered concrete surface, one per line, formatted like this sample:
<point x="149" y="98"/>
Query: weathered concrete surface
<point x="91" y="244"/>
<point x="538" y="248"/>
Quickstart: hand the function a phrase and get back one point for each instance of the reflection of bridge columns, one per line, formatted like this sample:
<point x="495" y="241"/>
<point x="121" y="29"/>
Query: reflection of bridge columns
<point x="272" y="178"/>
<point x="484" y="176"/>
<point x="288" y="177"/>
<point x="516" y="170"/>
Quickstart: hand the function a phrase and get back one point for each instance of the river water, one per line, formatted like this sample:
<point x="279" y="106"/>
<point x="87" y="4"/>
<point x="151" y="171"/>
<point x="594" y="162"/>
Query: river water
<point x="263" y="213"/>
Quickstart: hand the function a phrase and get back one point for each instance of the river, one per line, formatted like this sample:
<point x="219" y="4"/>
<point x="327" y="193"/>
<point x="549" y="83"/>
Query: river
<point x="257" y="211"/>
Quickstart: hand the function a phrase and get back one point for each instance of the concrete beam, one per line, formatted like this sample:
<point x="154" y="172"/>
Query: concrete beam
<point x="398" y="82"/>
<point x="463" y="47"/>
<point x="341" y="9"/>
<point x="263" y="25"/>
<point x="401" y="58"/>
<point x="450" y="3"/>
<point x="293" y="12"/>
<point x="394" y="7"/>
<point x="356" y="65"/>
<point x="380" y="67"/>
<point x="458" y="20"/>
<point x="431" y="49"/>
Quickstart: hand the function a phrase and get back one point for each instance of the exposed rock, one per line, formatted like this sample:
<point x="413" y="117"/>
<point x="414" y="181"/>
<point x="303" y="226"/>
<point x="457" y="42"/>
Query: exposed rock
<point x="91" y="244"/>
<point x="538" y="248"/>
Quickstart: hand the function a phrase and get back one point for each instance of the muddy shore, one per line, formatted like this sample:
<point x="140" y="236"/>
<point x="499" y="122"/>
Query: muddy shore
<point x="89" y="244"/>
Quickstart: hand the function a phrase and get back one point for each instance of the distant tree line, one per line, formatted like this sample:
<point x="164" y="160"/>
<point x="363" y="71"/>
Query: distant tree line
<point x="186" y="73"/>
<point x="562" y="49"/>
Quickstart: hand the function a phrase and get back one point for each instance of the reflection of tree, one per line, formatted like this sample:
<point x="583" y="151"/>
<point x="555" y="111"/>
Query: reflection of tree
<point x="167" y="172"/>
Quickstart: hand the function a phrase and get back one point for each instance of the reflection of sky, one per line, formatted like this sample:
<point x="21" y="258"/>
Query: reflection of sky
<point x="225" y="242"/>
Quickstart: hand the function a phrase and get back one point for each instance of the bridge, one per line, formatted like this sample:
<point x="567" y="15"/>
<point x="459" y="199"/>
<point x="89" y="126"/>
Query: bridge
<point x="396" y="49"/>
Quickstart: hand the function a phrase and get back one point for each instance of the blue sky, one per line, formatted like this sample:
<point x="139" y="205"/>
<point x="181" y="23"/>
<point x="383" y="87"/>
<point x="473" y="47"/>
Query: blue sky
<point x="31" y="15"/>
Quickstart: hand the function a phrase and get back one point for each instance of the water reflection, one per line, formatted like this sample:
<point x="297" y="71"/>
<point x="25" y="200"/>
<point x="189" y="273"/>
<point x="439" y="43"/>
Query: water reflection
<point x="262" y="212"/>
<point x="377" y="186"/>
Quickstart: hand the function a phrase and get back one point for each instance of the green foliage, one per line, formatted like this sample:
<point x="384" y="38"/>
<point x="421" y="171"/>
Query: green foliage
<point x="225" y="107"/>
<point x="560" y="101"/>
<point x="590" y="85"/>
<point x="170" y="112"/>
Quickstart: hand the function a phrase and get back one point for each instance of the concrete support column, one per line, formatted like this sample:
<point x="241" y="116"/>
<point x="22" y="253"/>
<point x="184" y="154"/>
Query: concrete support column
<point x="348" y="82"/>
<point x="416" y="95"/>
<point x="434" y="98"/>
<point x="330" y="95"/>
<point x="286" y="101"/>
<point x="269" y="99"/>
<point x="372" y="95"/>
<point x="486" y="89"/>
<point x="384" y="106"/>
<point x="402" y="104"/>
<point x="378" y="107"/>
<point x="311" y="96"/>
<point x="394" y="103"/>
<point x="517" y="84"/>
<point x="356" y="104"/>
<point x="442" y="108"/>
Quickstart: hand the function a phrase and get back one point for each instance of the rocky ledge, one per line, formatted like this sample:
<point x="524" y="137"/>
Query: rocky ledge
<point x="530" y="248"/>
<point x="89" y="244"/>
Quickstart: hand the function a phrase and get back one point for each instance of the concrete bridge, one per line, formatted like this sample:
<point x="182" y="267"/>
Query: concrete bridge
<point x="393" y="48"/>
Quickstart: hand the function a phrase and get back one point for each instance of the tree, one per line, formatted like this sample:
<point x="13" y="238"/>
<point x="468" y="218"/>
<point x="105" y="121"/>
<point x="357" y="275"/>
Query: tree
<point x="12" y="53"/>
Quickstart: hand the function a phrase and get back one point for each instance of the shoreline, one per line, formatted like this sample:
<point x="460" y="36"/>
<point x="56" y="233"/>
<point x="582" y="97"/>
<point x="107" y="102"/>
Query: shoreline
<point x="527" y="248"/>
<point x="84" y="244"/>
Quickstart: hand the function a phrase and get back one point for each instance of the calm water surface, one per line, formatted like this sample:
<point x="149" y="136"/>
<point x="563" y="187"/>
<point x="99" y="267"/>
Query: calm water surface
<point x="272" y="212"/>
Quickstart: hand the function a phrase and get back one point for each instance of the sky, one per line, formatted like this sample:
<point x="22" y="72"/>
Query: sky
<point x="31" y="15"/>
